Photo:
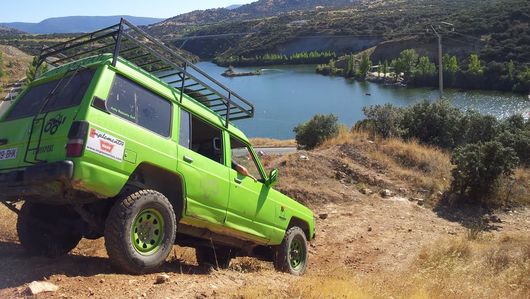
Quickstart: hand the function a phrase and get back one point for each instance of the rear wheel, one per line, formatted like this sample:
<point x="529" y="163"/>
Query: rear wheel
<point x="217" y="258"/>
<point x="292" y="254"/>
<point x="140" y="231"/>
<point x="47" y="230"/>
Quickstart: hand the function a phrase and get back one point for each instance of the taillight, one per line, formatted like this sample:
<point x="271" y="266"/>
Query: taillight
<point x="76" y="139"/>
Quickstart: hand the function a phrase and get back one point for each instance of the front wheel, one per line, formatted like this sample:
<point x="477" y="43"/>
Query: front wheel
<point x="292" y="254"/>
<point x="140" y="231"/>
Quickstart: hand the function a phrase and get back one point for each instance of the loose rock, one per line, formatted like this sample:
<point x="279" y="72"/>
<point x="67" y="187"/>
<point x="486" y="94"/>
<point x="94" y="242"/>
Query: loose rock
<point x="366" y="191"/>
<point x="386" y="193"/>
<point x="162" y="278"/>
<point x="323" y="216"/>
<point x="37" y="287"/>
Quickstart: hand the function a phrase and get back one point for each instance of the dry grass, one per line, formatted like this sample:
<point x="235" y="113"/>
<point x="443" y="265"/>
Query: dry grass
<point x="514" y="190"/>
<point x="268" y="142"/>
<point x="15" y="65"/>
<point x="419" y="165"/>
<point x="489" y="267"/>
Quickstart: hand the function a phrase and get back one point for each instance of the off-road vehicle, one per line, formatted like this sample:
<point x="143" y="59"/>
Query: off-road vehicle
<point x="126" y="139"/>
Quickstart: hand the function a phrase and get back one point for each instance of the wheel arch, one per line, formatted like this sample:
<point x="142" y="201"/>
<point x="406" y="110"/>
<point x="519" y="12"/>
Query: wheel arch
<point x="295" y="221"/>
<point x="170" y="184"/>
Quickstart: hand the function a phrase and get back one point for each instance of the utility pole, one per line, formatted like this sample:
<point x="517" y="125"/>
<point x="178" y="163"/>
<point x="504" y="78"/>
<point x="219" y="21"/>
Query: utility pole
<point x="440" y="58"/>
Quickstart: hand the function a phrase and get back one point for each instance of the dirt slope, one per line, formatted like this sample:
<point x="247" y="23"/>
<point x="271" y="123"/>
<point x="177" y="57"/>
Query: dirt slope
<point x="366" y="246"/>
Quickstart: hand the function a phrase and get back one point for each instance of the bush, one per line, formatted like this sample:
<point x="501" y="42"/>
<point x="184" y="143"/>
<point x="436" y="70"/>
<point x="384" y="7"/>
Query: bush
<point x="383" y="120"/>
<point x="317" y="130"/>
<point x="433" y="123"/>
<point x="478" y="168"/>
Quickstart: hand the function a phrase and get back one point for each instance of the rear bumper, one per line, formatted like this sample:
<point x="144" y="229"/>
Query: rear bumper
<point x="43" y="180"/>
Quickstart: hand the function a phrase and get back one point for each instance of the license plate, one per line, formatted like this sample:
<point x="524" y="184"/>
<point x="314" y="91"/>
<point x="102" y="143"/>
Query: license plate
<point x="8" y="154"/>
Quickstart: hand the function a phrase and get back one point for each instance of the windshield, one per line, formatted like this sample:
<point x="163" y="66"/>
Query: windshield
<point x="69" y="93"/>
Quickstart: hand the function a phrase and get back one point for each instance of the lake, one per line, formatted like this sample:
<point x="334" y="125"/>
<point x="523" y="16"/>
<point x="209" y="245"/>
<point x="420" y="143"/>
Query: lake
<point x="285" y="96"/>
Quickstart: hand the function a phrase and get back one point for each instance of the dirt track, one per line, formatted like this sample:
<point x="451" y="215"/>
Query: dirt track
<point x="365" y="235"/>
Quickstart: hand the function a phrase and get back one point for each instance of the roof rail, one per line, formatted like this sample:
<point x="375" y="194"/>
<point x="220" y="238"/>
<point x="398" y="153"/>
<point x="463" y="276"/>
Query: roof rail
<point x="131" y="43"/>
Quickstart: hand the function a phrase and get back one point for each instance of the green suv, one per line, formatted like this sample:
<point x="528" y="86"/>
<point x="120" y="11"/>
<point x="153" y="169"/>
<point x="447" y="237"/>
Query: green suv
<point x="125" y="139"/>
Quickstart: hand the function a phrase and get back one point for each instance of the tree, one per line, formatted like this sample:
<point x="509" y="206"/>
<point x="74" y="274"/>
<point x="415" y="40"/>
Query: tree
<point x="475" y="66"/>
<point x="31" y="71"/>
<point x="479" y="166"/>
<point x="384" y="120"/>
<point x="379" y="65"/>
<point x="317" y="130"/>
<point x="365" y="65"/>
<point x="406" y="63"/>
<point x="350" y="66"/>
<point x="425" y="67"/>
<point x="385" y="68"/>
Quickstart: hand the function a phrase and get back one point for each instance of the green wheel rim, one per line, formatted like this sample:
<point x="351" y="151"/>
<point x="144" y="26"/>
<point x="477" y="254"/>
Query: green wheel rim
<point x="297" y="254"/>
<point x="147" y="231"/>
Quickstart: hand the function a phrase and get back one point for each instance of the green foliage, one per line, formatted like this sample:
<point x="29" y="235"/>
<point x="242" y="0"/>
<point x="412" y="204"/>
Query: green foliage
<point x="364" y="66"/>
<point x="433" y="123"/>
<point x="475" y="66"/>
<point x="511" y="69"/>
<point x="478" y="168"/>
<point x="317" y="130"/>
<point x="425" y="67"/>
<point x="406" y="63"/>
<point x="383" y="120"/>
<point x="31" y="72"/>
<point x="312" y="57"/>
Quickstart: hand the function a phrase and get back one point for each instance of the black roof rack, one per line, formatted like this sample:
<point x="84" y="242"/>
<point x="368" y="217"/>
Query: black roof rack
<point x="131" y="43"/>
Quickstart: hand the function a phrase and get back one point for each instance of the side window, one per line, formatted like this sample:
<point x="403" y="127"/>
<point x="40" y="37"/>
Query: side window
<point x="136" y="104"/>
<point x="242" y="155"/>
<point x="201" y="137"/>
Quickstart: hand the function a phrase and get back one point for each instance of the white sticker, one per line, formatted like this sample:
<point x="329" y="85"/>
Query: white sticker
<point x="8" y="154"/>
<point x="105" y="145"/>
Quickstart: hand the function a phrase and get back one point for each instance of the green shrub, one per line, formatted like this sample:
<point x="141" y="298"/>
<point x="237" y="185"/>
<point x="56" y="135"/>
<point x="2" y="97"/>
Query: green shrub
<point x="479" y="167"/>
<point x="476" y="127"/>
<point x="317" y="130"/>
<point x="383" y="120"/>
<point x="433" y="123"/>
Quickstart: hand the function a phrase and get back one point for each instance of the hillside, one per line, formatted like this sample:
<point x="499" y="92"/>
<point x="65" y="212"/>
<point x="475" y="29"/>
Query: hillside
<point x="6" y="31"/>
<point x="76" y="24"/>
<point x="15" y="65"/>
<point x="497" y="29"/>
<point x="367" y="246"/>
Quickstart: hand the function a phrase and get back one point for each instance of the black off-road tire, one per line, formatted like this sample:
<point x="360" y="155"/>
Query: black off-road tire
<point x="285" y="252"/>
<point x="218" y="258"/>
<point x="47" y="230"/>
<point x="118" y="231"/>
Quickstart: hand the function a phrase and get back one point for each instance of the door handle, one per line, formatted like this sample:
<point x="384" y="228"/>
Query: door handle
<point x="239" y="181"/>
<point x="188" y="159"/>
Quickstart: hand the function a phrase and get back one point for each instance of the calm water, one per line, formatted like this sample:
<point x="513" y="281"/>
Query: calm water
<point x="285" y="96"/>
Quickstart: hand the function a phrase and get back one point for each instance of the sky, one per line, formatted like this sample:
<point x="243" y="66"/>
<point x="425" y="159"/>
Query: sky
<point x="38" y="10"/>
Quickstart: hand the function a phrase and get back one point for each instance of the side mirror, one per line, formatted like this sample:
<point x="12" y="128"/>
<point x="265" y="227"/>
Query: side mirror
<point x="273" y="178"/>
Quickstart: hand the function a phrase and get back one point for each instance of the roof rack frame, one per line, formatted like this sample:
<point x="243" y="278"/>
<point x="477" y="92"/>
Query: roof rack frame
<point x="156" y="58"/>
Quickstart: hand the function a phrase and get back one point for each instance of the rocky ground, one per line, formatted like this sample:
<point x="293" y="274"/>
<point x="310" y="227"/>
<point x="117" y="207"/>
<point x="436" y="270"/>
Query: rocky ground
<point x="371" y="236"/>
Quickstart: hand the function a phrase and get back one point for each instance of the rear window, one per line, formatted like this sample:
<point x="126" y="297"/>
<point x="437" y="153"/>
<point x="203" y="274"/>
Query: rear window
<point x="62" y="94"/>
<point x="136" y="104"/>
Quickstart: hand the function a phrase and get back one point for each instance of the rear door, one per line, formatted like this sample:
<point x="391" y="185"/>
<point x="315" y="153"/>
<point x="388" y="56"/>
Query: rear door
<point x="35" y="128"/>
<point x="201" y="161"/>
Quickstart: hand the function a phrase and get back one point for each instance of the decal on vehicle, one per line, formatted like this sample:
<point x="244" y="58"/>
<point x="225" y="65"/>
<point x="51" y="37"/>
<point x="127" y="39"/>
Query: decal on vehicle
<point x="8" y="154"/>
<point x="53" y="124"/>
<point x="105" y="145"/>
